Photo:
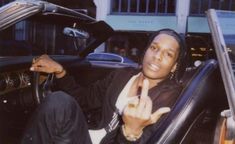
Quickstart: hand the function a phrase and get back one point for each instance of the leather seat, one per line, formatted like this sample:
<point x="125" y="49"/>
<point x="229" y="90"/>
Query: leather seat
<point x="199" y="88"/>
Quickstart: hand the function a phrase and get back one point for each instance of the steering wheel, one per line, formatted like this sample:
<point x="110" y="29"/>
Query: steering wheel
<point x="40" y="91"/>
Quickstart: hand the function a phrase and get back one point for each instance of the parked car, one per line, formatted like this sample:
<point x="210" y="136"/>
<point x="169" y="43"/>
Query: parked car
<point x="110" y="60"/>
<point x="68" y="37"/>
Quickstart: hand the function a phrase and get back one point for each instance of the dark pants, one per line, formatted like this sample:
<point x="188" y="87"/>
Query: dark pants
<point x="58" y="120"/>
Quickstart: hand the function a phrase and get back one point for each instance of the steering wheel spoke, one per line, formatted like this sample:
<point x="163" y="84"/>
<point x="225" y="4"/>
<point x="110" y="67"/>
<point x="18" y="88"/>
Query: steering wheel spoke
<point x="41" y="90"/>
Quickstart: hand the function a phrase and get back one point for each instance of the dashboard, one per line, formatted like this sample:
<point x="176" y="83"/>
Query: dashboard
<point x="11" y="81"/>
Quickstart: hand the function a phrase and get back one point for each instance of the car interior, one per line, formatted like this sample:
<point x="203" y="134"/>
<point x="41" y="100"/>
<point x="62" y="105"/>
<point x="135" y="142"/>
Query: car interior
<point x="193" y="114"/>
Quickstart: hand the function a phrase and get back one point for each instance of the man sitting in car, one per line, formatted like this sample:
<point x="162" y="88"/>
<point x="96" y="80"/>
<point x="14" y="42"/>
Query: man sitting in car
<point x="122" y="108"/>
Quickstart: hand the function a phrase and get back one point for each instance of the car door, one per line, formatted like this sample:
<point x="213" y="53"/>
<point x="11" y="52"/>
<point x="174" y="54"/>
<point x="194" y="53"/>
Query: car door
<point x="222" y="26"/>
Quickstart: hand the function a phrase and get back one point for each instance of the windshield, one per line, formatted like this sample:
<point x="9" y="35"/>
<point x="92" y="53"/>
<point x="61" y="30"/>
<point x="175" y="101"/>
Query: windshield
<point x="38" y="27"/>
<point x="37" y="38"/>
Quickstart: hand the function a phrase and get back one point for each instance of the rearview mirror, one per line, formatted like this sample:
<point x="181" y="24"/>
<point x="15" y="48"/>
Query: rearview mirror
<point x="77" y="33"/>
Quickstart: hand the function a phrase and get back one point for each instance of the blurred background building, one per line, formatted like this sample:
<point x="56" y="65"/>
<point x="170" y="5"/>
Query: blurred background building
<point x="135" y="20"/>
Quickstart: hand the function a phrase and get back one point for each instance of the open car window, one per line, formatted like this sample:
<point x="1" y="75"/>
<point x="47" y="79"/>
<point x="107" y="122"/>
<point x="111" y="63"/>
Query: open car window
<point x="222" y="25"/>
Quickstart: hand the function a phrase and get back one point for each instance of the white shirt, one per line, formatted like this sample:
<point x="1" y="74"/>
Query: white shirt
<point x="122" y="101"/>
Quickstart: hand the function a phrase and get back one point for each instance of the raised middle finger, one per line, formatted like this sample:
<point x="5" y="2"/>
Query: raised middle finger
<point x="146" y="113"/>
<point x="145" y="88"/>
<point x="140" y="107"/>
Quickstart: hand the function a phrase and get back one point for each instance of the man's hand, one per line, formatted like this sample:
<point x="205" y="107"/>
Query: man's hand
<point x="138" y="113"/>
<point x="45" y="64"/>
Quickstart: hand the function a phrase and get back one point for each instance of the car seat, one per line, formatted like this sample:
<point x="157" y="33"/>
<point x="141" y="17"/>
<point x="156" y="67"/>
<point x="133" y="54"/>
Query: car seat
<point x="199" y="88"/>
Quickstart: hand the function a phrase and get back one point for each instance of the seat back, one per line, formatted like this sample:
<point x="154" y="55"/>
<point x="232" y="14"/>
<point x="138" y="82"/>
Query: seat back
<point x="197" y="91"/>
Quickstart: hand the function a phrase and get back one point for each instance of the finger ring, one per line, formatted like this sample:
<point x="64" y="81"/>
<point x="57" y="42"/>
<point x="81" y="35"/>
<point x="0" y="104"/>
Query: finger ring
<point x="131" y="105"/>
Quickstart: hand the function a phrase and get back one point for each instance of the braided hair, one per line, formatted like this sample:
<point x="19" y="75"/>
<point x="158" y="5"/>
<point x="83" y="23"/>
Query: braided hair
<point x="181" y="66"/>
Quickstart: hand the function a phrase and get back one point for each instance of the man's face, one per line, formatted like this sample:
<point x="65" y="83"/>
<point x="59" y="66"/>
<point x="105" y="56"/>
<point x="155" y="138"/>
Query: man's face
<point x="160" y="57"/>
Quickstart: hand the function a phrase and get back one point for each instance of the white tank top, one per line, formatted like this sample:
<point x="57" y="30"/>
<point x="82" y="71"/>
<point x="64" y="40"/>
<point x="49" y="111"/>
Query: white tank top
<point x="122" y="101"/>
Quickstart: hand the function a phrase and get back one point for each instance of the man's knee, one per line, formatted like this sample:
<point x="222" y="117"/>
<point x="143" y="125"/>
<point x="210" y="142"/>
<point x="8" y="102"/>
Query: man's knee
<point x="58" y="100"/>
